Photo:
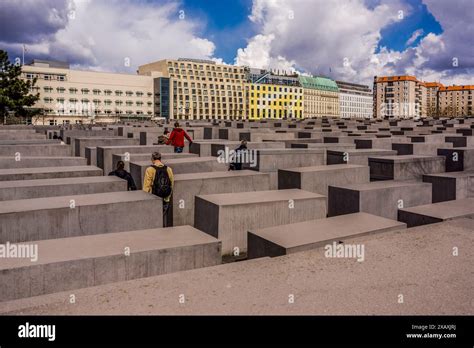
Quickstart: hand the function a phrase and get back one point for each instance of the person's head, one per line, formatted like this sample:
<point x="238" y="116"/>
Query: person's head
<point x="243" y="143"/>
<point x="120" y="165"/>
<point x="155" y="156"/>
<point x="176" y="124"/>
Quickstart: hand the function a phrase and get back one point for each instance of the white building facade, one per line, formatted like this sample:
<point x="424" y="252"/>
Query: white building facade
<point x="355" y="101"/>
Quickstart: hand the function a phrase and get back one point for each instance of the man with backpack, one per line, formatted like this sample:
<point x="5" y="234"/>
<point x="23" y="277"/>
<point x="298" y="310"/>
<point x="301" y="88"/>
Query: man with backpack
<point x="159" y="181"/>
<point x="177" y="138"/>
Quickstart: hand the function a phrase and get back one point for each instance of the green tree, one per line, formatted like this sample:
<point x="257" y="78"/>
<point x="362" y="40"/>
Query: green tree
<point x="15" y="97"/>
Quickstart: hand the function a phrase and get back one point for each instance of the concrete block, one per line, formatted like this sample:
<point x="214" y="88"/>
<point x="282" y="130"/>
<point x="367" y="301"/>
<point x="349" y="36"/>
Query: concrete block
<point x="450" y="186"/>
<point x="24" y="189"/>
<point x="437" y="212"/>
<point x="30" y="142"/>
<point x="187" y="186"/>
<point x="33" y="150"/>
<point x="325" y="146"/>
<point x="405" y="167"/>
<point x="218" y="147"/>
<point x="381" y="198"/>
<point x="317" y="178"/>
<point x="48" y="172"/>
<point x="69" y="216"/>
<point x="270" y="160"/>
<point x="38" y="162"/>
<point x="425" y="149"/>
<point x="357" y="156"/>
<point x="91" y="156"/>
<point x="374" y="143"/>
<point x="81" y="143"/>
<point x="458" y="159"/>
<point x="78" y="262"/>
<point x="291" y="238"/>
<point x="179" y="166"/>
<point x="228" y="216"/>
<point x="105" y="153"/>
<point x="143" y="157"/>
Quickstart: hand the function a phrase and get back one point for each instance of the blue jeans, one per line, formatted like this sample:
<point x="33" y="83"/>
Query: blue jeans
<point x="178" y="149"/>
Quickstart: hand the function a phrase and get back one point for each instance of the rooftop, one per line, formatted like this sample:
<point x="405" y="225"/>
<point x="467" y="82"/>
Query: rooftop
<point x="321" y="83"/>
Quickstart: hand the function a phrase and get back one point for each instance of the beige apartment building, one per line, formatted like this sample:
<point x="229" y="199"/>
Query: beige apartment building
<point x="320" y="97"/>
<point x="74" y="96"/>
<point x="456" y="101"/>
<point x="399" y="96"/>
<point x="198" y="89"/>
<point x="432" y="89"/>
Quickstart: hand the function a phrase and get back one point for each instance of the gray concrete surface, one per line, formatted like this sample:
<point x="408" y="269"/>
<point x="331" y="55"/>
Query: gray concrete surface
<point x="399" y="262"/>
<point x="69" y="216"/>
<point x="228" y="216"/>
<point x="452" y="185"/>
<point x="48" y="172"/>
<point x="381" y="198"/>
<point x="179" y="166"/>
<point x="405" y="167"/>
<point x="318" y="178"/>
<point x="76" y="262"/>
<point x="26" y="189"/>
<point x="437" y="212"/>
<point x="187" y="186"/>
<point x="291" y="238"/>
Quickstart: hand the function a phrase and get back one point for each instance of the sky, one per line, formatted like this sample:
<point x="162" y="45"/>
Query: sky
<point x="351" y="40"/>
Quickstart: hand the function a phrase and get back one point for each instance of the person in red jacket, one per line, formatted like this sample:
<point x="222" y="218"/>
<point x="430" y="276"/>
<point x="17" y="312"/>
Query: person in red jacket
<point x="177" y="138"/>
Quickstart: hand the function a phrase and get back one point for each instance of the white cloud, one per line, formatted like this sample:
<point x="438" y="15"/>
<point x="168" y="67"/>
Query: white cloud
<point x="339" y="38"/>
<point x="104" y="35"/>
<point x="320" y="36"/>
<point x="416" y="34"/>
<point x="257" y="55"/>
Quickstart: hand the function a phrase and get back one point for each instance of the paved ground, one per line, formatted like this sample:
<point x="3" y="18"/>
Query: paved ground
<point x="417" y="263"/>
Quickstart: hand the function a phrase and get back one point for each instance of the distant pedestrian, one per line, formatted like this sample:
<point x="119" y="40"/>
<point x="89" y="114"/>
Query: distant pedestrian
<point x="177" y="138"/>
<point x="159" y="181"/>
<point x="236" y="164"/>
<point x="123" y="174"/>
<point x="163" y="139"/>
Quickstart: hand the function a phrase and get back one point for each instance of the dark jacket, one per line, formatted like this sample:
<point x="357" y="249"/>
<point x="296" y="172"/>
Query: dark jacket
<point x="177" y="137"/>
<point x="123" y="174"/>
<point x="237" y="164"/>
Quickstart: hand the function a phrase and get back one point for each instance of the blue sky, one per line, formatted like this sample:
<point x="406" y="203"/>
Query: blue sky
<point x="396" y="35"/>
<point x="227" y="23"/>
<point x="228" y="26"/>
<point x="354" y="39"/>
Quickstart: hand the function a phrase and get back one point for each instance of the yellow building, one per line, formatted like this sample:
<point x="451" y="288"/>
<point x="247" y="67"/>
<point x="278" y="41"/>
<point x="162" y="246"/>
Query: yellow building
<point x="271" y="101"/>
